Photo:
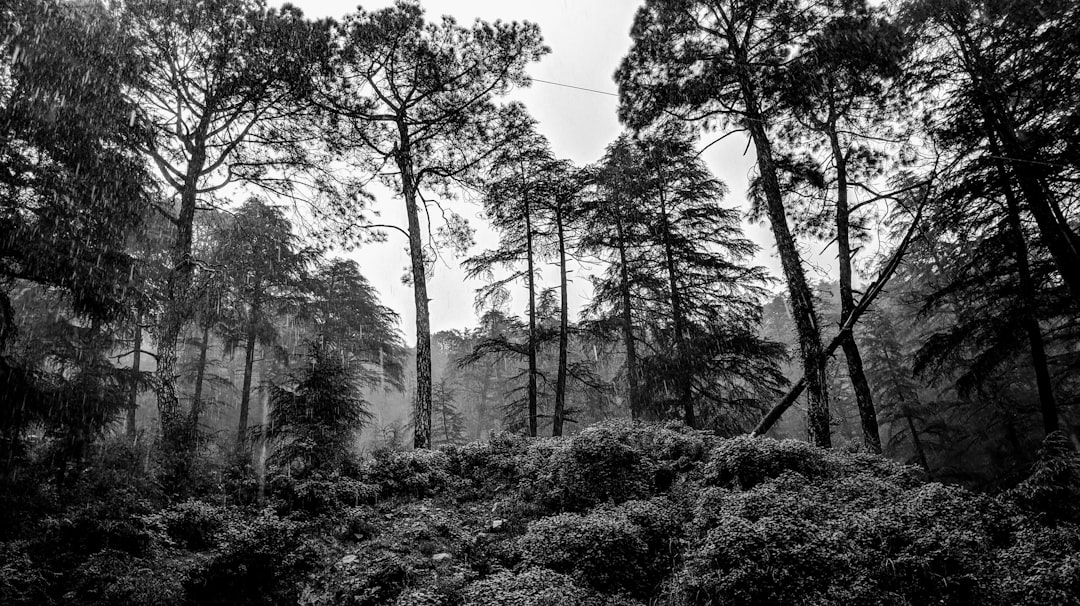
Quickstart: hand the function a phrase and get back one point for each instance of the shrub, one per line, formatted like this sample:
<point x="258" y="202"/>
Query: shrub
<point x="21" y="582"/>
<point x="745" y="462"/>
<point x="598" y="467"/>
<point x="1040" y="568"/>
<point x="372" y="577"/>
<point x="849" y="539"/>
<point x="261" y="561"/>
<point x="535" y="587"/>
<point x="321" y="494"/>
<point x="1052" y="491"/>
<point x="415" y="473"/>
<point x="112" y="578"/>
<point x="605" y="552"/>
<point x="194" y="524"/>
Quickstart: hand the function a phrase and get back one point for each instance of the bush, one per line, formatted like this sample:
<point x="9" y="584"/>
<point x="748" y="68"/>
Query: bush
<point x="848" y="539"/>
<point x="745" y="462"/>
<point x="1040" y="568"/>
<point x="193" y="524"/>
<point x="112" y="578"/>
<point x="321" y="494"/>
<point x="597" y="467"/>
<point x="261" y="561"/>
<point x="416" y="473"/>
<point x="1052" y="491"/>
<point x="535" y="587"/>
<point x="605" y="552"/>
<point x="21" y="582"/>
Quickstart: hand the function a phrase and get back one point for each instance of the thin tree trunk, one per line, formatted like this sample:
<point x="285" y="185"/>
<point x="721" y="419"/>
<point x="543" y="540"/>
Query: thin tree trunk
<point x="200" y="377"/>
<point x="422" y="403"/>
<point x="802" y="302"/>
<point x="178" y="309"/>
<point x="685" y="387"/>
<point x="1059" y="238"/>
<point x="867" y="299"/>
<point x="864" y="398"/>
<point x="245" y="393"/>
<point x="564" y="327"/>
<point x="917" y="442"/>
<point x="532" y="313"/>
<point x="133" y="394"/>
<point x="1028" y="294"/>
<point x="264" y="409"/>
<point x="636" y="411"/>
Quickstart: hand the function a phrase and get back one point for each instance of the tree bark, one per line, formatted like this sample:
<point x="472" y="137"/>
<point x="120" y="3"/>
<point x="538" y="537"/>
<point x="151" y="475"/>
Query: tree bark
<point x="864" y="398"/>
<point x="802" y="302"/>
<point x="1058" y="236"/>
<point x="636" y="411"/>
<point x="133" y="394"/>
<point x="422" y="403"/>
<point x="245" y="393"/>
<point x="200" y="377"/>
<point x="178" y="306"/>
<point x="532" y="311"/>
<point x="789" y="398"/>
<point x="564" y="328"/>
<point x="1028" y="302"/>
<point x="917" y="442"/>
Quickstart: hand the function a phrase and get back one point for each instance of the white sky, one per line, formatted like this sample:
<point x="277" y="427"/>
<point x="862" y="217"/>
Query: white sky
<point x="588" y="39"/>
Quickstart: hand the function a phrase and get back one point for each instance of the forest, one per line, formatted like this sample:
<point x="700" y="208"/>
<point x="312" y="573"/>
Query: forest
<point x="205" y="400"/>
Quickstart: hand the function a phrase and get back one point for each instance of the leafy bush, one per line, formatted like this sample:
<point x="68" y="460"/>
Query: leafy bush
<point x="319" y="493"/>
<point x="414" y="473"/>
<point x="745" y="462"/>
<point x="1040" y="568"/>
<point x="849" y="539"/>
<point x="261" y="561"/>
<point x="1052" y="491"/>
<point x="112" y="578"/>
<point x="194" y="524"/>
<point x="535" y="587"/>
<point x="21" y="582"/>
<point x="617" y="548"/>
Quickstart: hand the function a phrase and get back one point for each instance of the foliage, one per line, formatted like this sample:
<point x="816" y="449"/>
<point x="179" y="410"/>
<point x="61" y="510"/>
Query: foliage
<point x="623" y="548"/>
<point x="534" y="587"/>
<point x="313" y="424"/>
<point x="260" y="562"/>
<point x="1052" y="490"/>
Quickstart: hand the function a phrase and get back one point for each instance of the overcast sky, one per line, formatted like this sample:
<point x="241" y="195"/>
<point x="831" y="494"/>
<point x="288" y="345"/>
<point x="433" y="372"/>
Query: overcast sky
<point x="588" y="38"/>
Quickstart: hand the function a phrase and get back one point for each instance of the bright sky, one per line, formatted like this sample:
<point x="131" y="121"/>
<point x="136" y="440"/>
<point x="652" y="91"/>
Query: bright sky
<point x="588" y="39"/>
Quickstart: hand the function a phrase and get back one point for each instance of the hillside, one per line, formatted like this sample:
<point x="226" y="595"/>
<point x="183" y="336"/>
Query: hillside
<point x="619" y="514"/>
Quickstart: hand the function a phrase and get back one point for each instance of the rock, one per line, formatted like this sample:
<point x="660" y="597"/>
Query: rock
<point x="441" y="557"/>
<point x="349" y="559"/>
<point x="498" y="525"/>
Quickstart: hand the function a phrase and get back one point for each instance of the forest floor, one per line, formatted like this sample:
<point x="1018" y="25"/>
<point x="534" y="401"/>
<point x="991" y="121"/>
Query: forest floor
<point x="620" y="514"/>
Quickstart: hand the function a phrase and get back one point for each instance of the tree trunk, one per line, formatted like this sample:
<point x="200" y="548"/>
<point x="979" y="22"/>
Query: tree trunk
<point x="636" y="411"/>
<point x="678" y="321"/>
<point x="422" y="403"/>
<point x="917" y="442"/>
<point x="133" y="395"/>
<point x="264" y="408"/>
<point x="564" y="327"/>
<point x="1059" y="238"/>
<point x="200" y="377"/>
<point x="1028" y="301"/>
<point x="481" y="408"/>
<point x="178" y="310"/>
<point x="863" y="396"/>
<point x="245" y="393"/>
<point x="802" y="302"/>
<point x="532" y="313"/>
